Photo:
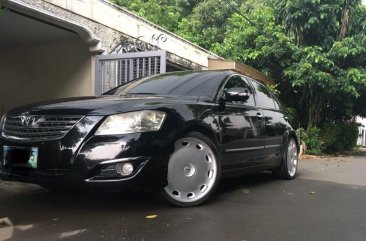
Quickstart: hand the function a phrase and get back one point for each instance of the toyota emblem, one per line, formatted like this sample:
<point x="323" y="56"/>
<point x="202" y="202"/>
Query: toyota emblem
<point x="28" y="120"/>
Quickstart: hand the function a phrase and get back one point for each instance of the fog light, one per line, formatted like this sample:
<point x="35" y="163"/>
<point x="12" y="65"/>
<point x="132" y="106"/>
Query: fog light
<point x="124" y="169"/>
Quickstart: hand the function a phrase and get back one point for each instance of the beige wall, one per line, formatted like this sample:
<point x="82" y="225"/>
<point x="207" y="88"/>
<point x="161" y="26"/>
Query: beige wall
<point x="44" y="72"/>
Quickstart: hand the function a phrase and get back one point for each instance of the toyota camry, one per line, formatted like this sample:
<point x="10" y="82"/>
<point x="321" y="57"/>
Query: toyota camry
<point x="180" y="131"/>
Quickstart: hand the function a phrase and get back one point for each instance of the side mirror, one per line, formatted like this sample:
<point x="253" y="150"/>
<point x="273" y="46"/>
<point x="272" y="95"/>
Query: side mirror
<point x="237" y="94"/>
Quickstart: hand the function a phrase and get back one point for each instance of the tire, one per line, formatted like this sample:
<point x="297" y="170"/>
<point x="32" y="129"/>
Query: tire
<point x="288" y="168"/>
<point x="193" y="171"/>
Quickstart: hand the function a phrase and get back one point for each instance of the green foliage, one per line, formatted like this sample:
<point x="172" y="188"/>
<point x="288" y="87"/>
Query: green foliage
<point x="312" y="141"/>
<point x="206" y="25"/>
<point x="317" y="25"/>
<point x="187" y="6"/>
<point x="269" y="49"/>
<point x="165" y="13"/>
<point x="350" y="52"/>
<point x="358" y="19"/>
<point x="274" y="89"/>
<point x="339" y="137"/>
<point x="2" y="10"/>
<point x="296" y="42"/>
<point x="359" y="104"/>
<point x="330" y="138"/>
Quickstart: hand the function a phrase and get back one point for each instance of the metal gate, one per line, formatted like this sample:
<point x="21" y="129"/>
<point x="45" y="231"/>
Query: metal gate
<point x="115" y="69"/>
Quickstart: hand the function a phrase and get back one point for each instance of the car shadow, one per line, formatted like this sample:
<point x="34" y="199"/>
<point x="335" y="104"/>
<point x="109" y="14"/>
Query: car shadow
<point x="37" y="199"/>
<point x="77" y="210"/>
<point x="246" y="181"/>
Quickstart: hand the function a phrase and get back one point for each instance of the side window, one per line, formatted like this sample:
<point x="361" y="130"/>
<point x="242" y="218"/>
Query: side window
<point x="238" y="81"/>
<point x="264" y="96"/>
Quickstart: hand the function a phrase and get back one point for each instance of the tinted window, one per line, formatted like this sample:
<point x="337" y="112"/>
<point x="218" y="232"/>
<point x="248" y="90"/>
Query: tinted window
<point x="263" y="96"/>
<point x="178" y="83"/>
<point x="238" y="81"/>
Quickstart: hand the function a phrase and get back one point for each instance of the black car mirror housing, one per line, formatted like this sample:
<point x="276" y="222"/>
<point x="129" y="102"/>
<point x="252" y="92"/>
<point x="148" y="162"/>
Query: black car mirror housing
<point x="237" y="94"/>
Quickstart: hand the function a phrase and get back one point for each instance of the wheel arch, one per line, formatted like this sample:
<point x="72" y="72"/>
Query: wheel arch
<point x="202" y="128"/>
<point x="291" y="134"/>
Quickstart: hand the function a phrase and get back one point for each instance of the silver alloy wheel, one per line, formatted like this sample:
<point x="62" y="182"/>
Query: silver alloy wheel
<point x="292" y="158"/>
<point x="192" y="170"/>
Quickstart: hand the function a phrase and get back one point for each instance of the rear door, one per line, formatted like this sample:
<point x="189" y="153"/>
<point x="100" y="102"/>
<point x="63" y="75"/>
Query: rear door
<point x="242" y="131"/>
<point x="275" y="124"/>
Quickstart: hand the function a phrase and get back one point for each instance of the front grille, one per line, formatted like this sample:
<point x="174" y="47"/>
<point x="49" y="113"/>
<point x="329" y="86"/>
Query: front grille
<point x="38" y="127"/>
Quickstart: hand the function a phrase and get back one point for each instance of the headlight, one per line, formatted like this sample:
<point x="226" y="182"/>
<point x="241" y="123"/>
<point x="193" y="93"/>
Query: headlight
<point x="132" y="122"/>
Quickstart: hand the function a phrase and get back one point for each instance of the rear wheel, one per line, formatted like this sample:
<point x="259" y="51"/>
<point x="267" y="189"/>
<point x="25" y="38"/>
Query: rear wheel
<point x="193" y="171"/>
<point x="288" y="168"/>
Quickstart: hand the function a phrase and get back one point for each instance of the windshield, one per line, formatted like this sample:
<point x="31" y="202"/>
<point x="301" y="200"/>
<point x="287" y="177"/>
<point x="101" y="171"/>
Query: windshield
<point x="177" y="83"/>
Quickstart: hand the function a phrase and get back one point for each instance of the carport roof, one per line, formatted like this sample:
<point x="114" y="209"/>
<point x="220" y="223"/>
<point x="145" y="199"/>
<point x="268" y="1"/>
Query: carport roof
<point x="20" y="30"/>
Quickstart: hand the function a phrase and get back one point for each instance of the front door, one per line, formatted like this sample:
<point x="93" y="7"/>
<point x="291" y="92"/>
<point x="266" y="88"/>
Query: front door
<point x="242" y="129"/>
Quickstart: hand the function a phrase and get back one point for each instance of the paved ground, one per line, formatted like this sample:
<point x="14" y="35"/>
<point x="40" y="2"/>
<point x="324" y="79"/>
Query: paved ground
<point x="326" y="202"/>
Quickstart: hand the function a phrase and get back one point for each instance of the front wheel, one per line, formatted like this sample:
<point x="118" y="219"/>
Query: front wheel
<point x="288" y="168"/>
<point x="193" y="171"/>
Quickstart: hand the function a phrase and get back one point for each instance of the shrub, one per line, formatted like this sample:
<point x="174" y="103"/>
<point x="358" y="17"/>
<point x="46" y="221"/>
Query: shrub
<point x="339" y="137"/>
<point x="311" y="140"/>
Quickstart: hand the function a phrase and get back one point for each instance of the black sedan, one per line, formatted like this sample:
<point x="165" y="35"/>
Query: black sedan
<point x="180" y="131"/>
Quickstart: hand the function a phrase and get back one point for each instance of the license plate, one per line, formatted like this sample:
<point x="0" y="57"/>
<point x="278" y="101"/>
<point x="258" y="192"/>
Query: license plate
<point x="20" y="156"/>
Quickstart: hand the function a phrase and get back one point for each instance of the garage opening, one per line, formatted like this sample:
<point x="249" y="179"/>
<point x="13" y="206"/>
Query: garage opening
<point x="40" y="61"/>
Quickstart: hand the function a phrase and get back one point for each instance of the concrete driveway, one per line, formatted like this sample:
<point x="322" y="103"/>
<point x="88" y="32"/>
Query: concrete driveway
<point x="326" y="202"/>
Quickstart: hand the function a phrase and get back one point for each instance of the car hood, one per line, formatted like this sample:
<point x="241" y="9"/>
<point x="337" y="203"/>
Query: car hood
<point x="97" y="105"/>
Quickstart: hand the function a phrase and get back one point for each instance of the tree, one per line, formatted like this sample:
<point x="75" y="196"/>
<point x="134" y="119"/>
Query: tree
<point x="165" y="13"/>
<point x="206" y="25"/>
<point x="320" y="70"/>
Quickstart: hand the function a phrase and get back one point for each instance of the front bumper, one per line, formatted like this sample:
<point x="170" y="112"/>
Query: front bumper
<point x="100" y="176"/>
<point x="82" y="159"/>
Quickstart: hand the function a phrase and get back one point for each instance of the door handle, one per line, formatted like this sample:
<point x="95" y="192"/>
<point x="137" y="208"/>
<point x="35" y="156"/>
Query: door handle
<point x="259" y="116"/>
